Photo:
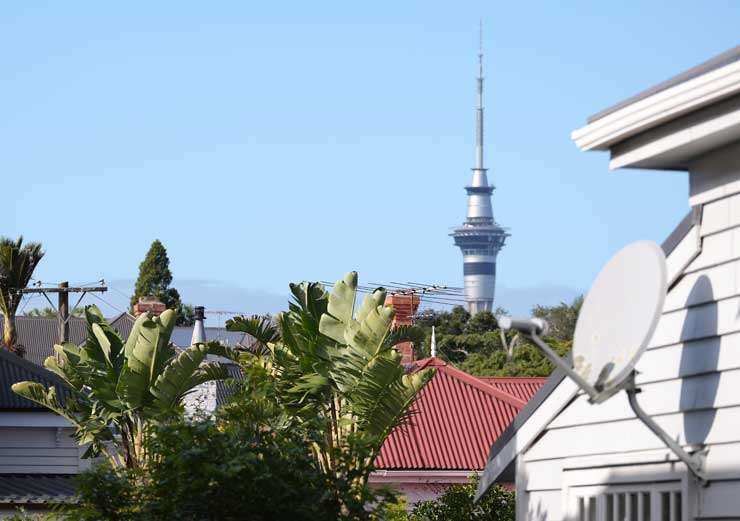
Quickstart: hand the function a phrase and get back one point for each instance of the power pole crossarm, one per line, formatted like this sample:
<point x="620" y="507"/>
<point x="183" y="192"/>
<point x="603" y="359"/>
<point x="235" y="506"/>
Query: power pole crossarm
<point x="63" y="290"/>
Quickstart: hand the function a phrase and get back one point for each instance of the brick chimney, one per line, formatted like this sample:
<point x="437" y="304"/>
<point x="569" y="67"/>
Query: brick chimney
<point x="151" y="304"/>
<point x="405" y="307"/>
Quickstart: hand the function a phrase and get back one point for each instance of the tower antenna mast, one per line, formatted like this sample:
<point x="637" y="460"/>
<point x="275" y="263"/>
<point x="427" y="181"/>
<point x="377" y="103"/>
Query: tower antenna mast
<point x="479" y="238"/>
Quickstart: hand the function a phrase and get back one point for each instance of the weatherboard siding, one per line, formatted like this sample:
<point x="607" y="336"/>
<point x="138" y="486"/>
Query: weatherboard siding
<point x="690" y="381"/>
<point x="31" y="450"/>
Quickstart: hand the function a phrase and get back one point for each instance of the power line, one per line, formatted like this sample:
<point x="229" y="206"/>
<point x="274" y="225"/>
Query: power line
<point x="108" y="303"/>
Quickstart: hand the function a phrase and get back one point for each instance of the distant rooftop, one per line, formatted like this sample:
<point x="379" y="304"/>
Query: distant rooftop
<point x="718" y="61"/>
<point x="39" y="334"/>
<point x="455" y="419"/>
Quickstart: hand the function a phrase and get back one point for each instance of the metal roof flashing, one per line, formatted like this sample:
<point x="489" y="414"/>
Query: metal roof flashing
<point x="725" y="58"/>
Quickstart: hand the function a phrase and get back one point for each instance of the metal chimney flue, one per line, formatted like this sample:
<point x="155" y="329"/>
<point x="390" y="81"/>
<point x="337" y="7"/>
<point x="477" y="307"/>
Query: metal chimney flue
<point x="199" y="329"/>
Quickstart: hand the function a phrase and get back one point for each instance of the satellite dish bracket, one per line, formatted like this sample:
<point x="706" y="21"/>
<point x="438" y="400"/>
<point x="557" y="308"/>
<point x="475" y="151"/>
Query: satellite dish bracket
<point x="694" y="462"/>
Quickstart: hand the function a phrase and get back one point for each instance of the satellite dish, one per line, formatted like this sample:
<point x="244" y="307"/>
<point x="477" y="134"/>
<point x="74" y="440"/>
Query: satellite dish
<point x="619" y="315"/>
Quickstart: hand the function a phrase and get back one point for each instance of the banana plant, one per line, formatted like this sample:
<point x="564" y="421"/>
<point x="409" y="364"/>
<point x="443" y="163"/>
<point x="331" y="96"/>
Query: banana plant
<point x="114" y="390"/>
<point x="335" y="366"/>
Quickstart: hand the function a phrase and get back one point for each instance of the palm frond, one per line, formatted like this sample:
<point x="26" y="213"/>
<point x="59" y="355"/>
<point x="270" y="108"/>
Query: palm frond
<point x="262" y="329"/>
<point x="404" y="333"/>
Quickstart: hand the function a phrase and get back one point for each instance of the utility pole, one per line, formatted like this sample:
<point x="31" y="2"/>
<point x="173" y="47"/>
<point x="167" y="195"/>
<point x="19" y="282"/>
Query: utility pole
<point x="63" y="290"/>
<point x="63" y="314"/>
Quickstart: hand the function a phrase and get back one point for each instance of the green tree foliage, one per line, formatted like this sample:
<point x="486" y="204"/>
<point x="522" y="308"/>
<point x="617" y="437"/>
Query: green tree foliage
<point x="561" y="318"/>
<point x="186" y="316"/>
<point x="526" y="360"/>
<point x="458" y="334"/>
<point x="477" y="346"/>
<point x="211" y="470"/>
<point x="17" y="264"/>
<point x="117" y="389"/>
<point x="334" y="370"/>
<point x="256" y="459"/>
<point x="154" y="280"/>
<point x="456" y="504"/>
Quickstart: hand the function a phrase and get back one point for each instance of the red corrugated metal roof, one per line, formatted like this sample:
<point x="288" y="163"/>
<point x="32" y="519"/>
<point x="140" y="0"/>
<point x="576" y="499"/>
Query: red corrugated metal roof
<point x="456" y="418"/>
<point x="520" y="386"/>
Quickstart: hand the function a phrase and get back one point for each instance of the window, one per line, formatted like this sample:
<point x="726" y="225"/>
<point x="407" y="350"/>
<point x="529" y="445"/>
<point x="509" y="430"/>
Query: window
<point x="634" y="502"/>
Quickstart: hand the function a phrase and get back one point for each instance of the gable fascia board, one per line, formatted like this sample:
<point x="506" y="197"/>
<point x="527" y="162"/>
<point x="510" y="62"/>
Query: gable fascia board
<point x="659" y="108"/>
<point x="673" y="145"/>
<point x="558" y="400"/>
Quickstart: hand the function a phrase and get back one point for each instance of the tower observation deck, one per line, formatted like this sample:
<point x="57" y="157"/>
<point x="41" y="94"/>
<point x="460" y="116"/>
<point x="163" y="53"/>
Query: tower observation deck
<point x="479" y="238"/>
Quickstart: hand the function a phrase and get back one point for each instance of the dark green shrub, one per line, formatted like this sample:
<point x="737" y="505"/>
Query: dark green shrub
<point x="456" y="504"/>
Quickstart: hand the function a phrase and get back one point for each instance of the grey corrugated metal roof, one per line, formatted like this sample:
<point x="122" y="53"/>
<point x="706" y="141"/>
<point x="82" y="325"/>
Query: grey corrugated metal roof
<point x="123" y="323"/>
<point x="718" y="61"/>
<point x="224" y="388"/>
<point x="39" y="334"/>
<point x="182" y="335"/>
<point x="36" y="488"/>
<point x="16" y="369"/>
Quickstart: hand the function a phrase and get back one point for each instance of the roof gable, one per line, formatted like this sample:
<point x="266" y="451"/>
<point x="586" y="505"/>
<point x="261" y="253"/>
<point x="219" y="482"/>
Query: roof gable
<point x="15" y="369"/>
<point x="455" y="418"/>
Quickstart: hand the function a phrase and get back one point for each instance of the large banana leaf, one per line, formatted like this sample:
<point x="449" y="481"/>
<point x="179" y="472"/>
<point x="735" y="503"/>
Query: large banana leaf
<point x="47" y="397"/>
<point x="164" y="350"/>
<point x="340" y="308"/>
<point x="182" y="374"/>
<point x="149" y="353"/>
<point x="68" y="356"/>
<point x="370" y="334"/>
<point x="371" y="302"/>
<point x="103" y="345"/>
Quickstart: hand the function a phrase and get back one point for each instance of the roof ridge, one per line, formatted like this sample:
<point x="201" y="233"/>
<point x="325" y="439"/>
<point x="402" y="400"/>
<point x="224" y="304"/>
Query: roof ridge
<point x="122" y="314"/>
<point x="515" y="378"/>
<point x="483" y="386"/>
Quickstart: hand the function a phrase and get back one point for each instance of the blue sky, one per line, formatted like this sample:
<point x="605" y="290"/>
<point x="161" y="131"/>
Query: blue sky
<point x="266" y="142"/>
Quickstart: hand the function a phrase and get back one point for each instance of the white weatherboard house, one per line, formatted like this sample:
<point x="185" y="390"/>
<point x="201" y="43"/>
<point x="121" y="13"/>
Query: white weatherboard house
<point x="582" y="462"/>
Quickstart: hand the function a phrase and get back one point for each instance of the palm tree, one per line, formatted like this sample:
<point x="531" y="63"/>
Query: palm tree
<point x="335" y="369"/>
<point x="17" y="263"/>
<point x="116" y="389"/>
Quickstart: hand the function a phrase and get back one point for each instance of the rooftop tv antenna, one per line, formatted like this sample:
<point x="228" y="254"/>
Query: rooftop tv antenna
<point x="617" y="320"/>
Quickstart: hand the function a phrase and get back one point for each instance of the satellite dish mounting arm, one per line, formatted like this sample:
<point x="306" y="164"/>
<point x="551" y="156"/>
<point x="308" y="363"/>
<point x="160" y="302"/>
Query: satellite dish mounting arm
<point x="534" y="327"/>
<point x="693" y="461"/>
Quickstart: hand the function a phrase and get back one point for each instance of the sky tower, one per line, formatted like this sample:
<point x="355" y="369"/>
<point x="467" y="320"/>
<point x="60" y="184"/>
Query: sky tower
<point x="479" y="238"/>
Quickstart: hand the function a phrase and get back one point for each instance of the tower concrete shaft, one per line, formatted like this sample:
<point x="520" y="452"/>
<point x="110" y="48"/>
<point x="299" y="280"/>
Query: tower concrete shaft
<point x="479" y="238"/>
